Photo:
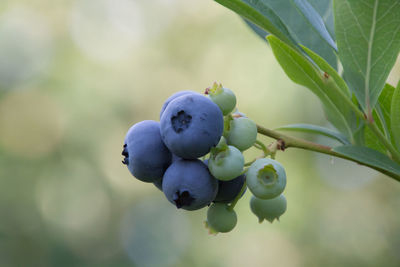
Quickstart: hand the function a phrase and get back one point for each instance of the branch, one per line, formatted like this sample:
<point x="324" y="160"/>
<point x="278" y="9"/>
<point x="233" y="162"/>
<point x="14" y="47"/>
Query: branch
<point x="289" y="141"/>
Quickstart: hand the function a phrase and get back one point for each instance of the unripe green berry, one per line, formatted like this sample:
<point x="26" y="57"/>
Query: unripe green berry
<point x="268" y="209"/>
<point x="223" y="97"/>
<point x="226" y="164"/>
<point x="242" y="133"/>
<point x="266" y="178"/>
<point x="220" y="219"/>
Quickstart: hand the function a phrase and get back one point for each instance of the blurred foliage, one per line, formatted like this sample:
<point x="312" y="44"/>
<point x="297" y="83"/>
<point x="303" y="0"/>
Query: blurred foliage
<point x="75" y="75"/>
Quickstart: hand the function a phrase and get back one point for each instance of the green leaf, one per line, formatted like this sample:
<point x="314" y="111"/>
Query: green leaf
<point x="381" y="115"/>
<point x="315" y="20"/>
<point x="260" y="15"/>
<point x="324" y="66"/>
<point x="369" y="157"/>
<point x="382" y="111"/>
<point x="325" y="9"/>
<point x="344" y="107"/>
<point x="385" y="104"/>
<point x="368" y="38"/>
<point x="314" y="129"/>
<point x="260" y="32"/>
<point x="301" y="71"/>
<point x="395" y="116"/>
<point x="299" y="27"/>
<point x="371" y="141"/>
<point x="283" y="19"/>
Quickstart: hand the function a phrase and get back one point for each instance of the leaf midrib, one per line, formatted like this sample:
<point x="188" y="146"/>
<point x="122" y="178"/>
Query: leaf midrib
<point x="369" y="57"/>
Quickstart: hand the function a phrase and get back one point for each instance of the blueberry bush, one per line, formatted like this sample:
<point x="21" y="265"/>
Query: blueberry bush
<point x="342" y="52"/>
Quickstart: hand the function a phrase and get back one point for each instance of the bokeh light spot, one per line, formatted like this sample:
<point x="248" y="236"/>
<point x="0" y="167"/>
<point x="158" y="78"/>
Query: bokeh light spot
<point x="73" y="200"/>
<point x="31" y="124"/>
<point x="25" y="45"/>
<point x="106" y="30"/>
<point x="155" y="233"/>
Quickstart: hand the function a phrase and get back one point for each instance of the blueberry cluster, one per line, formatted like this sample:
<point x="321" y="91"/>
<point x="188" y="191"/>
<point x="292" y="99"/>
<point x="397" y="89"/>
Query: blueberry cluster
<point x="194" y="156"/>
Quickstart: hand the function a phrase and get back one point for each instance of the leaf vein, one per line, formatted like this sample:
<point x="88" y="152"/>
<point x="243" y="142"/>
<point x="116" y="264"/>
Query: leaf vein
<point x="370" y="44"/>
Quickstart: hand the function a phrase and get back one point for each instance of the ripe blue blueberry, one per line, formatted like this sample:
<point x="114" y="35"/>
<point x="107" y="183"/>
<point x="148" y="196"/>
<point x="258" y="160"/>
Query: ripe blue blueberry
<point x="266" y="178"/>
<point x="145" y="154"/>
<point x="190" y="125"/>
<point x="220" y="218"/>
<point x="172" y="97"/>
<point x="189" y="185"/>
<point x="158" y="183"/>
<point x="242" y="133"/>
<point x="269" y="209"/>
<point x="228" y="190"/>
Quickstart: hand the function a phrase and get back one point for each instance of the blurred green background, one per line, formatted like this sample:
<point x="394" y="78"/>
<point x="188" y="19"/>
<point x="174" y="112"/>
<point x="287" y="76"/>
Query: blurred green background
<point x="75" y="75"/>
